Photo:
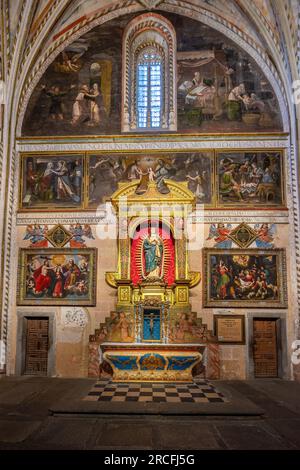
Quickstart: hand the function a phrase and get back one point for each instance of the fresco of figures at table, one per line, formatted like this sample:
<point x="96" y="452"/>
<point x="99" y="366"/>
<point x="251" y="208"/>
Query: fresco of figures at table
<point x="51" y="181"/>
<point x="105" y="171"/>
<point x="57" y="276"/>
<point x="249" y="179"/>
<point x="244" y="278"/>
<point x="219" y="87"/>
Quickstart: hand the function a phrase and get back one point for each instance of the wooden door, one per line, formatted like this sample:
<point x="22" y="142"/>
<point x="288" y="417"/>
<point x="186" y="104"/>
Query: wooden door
<point x="37" y="340"/>
<point x="265" y="348"/>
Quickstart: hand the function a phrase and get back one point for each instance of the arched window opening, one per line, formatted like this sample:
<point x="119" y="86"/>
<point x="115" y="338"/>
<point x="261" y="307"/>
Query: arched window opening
<point x="149" y="90"/>
<point x="149" y="75"/>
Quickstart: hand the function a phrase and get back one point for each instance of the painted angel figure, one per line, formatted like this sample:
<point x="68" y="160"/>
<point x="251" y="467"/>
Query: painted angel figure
<point x="78" y="232"/>
<point x="220" y="235"/>
<point x="36" y="234"/>
<point x="69" y="64"/>
<point x="266" y="234"/>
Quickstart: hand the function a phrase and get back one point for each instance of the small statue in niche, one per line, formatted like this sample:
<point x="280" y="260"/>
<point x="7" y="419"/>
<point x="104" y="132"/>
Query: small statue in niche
<point x="153" y="250"/>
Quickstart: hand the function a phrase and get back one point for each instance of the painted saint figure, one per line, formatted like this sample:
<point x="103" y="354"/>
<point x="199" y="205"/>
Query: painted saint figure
<point x="56" y="96"/>
<point x="64" y="186"/>
<point x="153" y="253"/>
<point x="223" y="281"/>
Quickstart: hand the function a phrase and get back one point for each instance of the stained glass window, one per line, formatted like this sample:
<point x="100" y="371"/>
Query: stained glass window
<point x="149" y="90"/>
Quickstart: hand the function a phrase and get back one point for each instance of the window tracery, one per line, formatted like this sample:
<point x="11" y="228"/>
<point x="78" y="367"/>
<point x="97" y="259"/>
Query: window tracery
<point x="149" y="69"/>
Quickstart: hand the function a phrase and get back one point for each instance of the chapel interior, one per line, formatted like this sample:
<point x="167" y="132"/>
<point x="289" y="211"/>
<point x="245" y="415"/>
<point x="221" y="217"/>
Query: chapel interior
<point x="150" y="189"/>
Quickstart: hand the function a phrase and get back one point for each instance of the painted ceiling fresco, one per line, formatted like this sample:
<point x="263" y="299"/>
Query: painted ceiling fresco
<point x="232" y="11"/>
<point x="220" y="88"/>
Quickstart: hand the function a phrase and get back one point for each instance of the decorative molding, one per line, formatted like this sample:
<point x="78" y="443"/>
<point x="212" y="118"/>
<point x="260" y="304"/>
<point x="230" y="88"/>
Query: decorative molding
<point x="52" y="218"/>
<point x="154" y="144"/>
<point x="150" y="4"/>
<point x="207" y="217"/>
<point x="293" y="174"/>
<point x="15" y="38"/>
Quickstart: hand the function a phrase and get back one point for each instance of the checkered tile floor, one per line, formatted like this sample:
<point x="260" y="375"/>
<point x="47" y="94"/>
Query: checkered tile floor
<point x="199" y="391"/>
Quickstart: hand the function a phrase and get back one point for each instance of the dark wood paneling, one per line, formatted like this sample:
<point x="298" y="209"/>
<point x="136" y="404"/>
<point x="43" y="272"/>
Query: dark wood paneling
<point x="37" y="340"/>
<point x="265" y="348"/>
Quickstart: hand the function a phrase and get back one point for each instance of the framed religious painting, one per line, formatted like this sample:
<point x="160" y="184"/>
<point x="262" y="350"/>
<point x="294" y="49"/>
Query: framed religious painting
<point x="250" y="179"/>
<point x="51" y="182"/>
<point x="244" y="278"/>
<point x="57" y="276"/>
<point x="107" y="170"/>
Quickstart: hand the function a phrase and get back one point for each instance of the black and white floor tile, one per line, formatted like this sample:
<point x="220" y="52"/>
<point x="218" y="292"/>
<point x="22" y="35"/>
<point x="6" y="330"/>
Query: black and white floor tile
<point x="199" y="391"/>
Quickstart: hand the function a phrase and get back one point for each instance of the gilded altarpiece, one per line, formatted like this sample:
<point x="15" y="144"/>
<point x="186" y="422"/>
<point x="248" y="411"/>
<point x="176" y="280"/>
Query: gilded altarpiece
<point x="153" y="334"/>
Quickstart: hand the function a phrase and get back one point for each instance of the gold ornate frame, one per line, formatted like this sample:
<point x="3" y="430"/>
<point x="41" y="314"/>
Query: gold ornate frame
<point x="180" y="202"/>
<point x="214" y="182"/>
<point x="21" y="288"/>
<point x="246" y="205"/>
<point x="281" y="302"/>
<point x="159" y="153"/>
<point x="50" y="207"/>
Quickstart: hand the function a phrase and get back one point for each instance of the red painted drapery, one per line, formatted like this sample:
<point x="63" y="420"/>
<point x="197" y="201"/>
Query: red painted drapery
<point x="137" y="253"/>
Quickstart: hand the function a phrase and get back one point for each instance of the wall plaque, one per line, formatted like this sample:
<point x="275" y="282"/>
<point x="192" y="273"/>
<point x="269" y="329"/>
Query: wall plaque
<point x="230" y="329"/>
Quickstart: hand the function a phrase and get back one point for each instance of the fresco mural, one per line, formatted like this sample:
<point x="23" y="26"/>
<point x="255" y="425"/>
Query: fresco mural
<point x="187" y="328"/>
<point x="118" y="327"/>
<point x="80" y="93"/>
<point x="244" y="277"/>
<point x="40" y="235"/>
<point x="220" y="88"/>
<point x="106" y="170"/>
<point x="243" y="235"/>
<point x="57" y="276"/>
<point x="36" y="234"/>
<point x="50" y="181"/>
<point x="249" y="178"/>
<point x="64" y="182"/>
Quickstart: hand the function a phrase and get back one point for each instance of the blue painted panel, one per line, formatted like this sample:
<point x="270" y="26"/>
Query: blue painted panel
<point x="124" y="362"/>
<point x="151" y="325"/>
<point x="181" y="362"/>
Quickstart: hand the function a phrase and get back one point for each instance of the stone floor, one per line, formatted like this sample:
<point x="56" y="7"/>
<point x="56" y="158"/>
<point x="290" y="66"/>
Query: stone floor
<point x="260" y="414"/>
<point x="199" y="391"/>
